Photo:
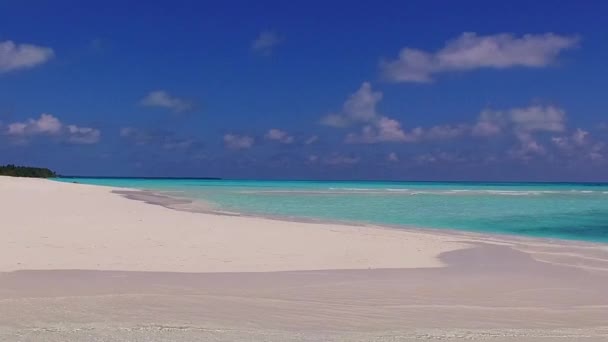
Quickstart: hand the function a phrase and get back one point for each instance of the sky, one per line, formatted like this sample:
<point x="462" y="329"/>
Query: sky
<point x="389" y="90"/>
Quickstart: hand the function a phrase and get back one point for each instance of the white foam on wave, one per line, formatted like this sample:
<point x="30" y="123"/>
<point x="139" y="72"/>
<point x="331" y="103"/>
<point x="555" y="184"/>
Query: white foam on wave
<point x="430" y="192"/>
<point x="352" y="189"/>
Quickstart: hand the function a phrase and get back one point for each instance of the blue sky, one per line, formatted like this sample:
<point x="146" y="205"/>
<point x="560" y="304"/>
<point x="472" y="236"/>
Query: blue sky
<point x="307" y="89"/>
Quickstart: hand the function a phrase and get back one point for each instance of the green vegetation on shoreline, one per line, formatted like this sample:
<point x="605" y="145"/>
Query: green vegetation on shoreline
<point x="26" y="171"/>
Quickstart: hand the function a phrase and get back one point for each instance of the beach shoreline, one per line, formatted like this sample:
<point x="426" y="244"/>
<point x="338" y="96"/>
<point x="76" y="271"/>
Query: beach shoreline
<point x="522" y="243"/>
<point x="206" y="207"/>
<point x="174" y="199"/>
<point x="171" y="201"/>
<point x="574" y="212"/>
<point x="82" y="263"/>
<point x="90" y="227"/>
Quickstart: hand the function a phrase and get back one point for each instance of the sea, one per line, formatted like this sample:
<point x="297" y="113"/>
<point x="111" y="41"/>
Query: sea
<point x="573" y="211"/>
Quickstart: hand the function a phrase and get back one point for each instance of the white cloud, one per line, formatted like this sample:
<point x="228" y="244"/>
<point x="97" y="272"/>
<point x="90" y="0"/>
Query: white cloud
<point x="561" y="142"/>
<point x="265" y="42"/>
<point x="359" y="107"/>
<point x="523" y="123"/>
<point x="83" y="135"/>
<point x="46" y="124"/>
<point x="238" y="142"/>
<point x="526" y="126"/>
<point x="579" y="138"/>
<point x="360" y="110"/>
<point x="539" y="118"/>
<point x="49" y="125"/>
<point x="384" y="130"/>
<point x="528" y="147"/>
<point x="334" y="120"/>
<point x="446" y="132"/>
<point x="279" y="135"/>
<point x="596" y="151"/>
<point x="22" y="56"/>
<point x="392" y="157"/>
<point x="534" y="118"/>
<point x="162" y="99"/>
<point x="470" y="51"/>
<point x="490" y="123"/>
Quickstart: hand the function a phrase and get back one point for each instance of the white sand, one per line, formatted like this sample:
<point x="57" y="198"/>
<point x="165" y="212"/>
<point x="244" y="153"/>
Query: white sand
<point x="48" y="225"/>
<point x="502" y="289"/>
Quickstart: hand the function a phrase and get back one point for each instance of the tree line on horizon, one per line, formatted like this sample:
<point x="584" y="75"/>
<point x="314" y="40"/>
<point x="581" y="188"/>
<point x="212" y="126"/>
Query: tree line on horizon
<point x="26" y="171"/>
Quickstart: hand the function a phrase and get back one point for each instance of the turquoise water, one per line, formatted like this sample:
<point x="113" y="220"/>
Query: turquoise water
<point x="554" y="210"/>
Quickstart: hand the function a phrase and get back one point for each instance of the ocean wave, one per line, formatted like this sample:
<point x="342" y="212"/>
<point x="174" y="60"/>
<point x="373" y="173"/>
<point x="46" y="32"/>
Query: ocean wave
<point x="429" y="192"/>
<point x="354" y="189"/>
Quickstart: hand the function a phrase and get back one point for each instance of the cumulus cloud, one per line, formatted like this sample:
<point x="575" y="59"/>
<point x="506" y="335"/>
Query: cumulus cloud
<point x="49" y="125"/>
<point x="528" y="147"/>
<point x="383" y="130"/>
<point x="265" y="42"/>
<point x="359" y="107"/>
<point x="279" y="136"/>
<point x="83" y="135"/>
<point x="530" y="126"/>
<point x="597" y="151"/>
<point x="490" y="123"/>
<point x="45" y="124"/>
<point x="527" y="130"/>
<point x="162" y="99"/>
<point x="539" y="118"/>
<point x="335" y="120"/>
<point x="446" y="132"/>
<point x="22" y="56"/>
<point x="527" y="126"/>
<point x="238" y="142"/>
<point x="580" y="145"/>
<point x="360" y="110"/>
<point x="523" y="123"/>
<point x="470" y="51"/>
<point x="579" y="138"/>
<point x="535" y="118"/>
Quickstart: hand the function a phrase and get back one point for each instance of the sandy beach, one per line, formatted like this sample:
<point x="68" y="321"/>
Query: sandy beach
<point x="86" y="263"/>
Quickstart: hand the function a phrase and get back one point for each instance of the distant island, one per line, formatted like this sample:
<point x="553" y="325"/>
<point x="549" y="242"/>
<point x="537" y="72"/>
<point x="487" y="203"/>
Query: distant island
<point x="141" y="177"/>
<point x="26" y="171"/>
